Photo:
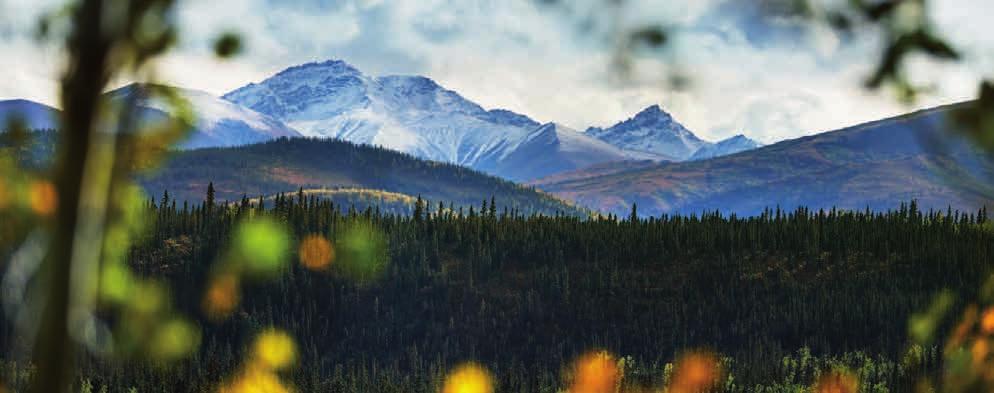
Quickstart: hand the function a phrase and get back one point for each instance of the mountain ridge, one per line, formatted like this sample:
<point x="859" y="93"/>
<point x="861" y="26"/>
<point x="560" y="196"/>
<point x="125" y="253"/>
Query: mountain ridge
<point x="416" y="115"/>
<point x="35" y="115"/>
<point x="875" y="165"/>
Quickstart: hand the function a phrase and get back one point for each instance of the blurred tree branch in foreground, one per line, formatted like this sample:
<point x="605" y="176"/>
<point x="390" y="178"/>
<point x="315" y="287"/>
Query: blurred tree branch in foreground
<point x="93" y="210"/>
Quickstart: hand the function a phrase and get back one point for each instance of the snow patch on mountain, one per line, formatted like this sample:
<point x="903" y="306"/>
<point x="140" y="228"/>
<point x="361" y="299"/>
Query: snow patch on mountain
<point x="416" y="115"/>
<point x="218" y="122"/>
<point x="412" y="114"/>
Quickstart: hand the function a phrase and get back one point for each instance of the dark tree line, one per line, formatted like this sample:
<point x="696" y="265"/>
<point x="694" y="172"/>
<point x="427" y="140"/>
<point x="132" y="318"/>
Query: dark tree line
<point x="527" y="294"/>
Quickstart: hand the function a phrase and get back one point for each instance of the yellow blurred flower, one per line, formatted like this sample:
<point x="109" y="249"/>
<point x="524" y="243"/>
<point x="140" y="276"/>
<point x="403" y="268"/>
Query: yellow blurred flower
<point x="222" y="296"/>
<point x="256" y="380"/>
<point x="316" y="253"/>
<point x="695" y="372"/>
<point x="987" y="321"/>
<point x="42" y="197"/>
<point x="468" y="378"/>
<point x="837" y="382"/>
<point x="274" y="350"/>
<point x="596" y="372"/>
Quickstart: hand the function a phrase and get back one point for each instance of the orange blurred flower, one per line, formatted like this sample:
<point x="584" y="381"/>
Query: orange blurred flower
<point x="596" y="372"/>
<point x="837" y="382"/>
<point x="316" y="253"/>
<point x="468" y="378"/>
<point x="43" y="198"/>
<point x="962" y="331"/>
<point x="4" y="201"/>
<point x="695" y="372"/>
<point x="979" y="351"/>
<point x="222" y="296"/>
<point x="987" y="321"/>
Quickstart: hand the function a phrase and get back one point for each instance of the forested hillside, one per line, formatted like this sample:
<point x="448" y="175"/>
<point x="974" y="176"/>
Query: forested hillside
<point x="525" y="295"/>
<point x="286" y="165"/>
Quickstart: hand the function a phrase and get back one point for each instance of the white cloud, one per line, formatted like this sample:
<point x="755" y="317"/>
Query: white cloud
<point x="771" y="80"/>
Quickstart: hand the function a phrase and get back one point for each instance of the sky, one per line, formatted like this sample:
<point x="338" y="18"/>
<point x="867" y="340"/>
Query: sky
<point x="767" y="78"/>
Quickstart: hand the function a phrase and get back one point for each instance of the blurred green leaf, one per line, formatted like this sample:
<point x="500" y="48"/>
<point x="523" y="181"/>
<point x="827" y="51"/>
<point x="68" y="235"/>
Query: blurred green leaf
<point x="878" y="10"/>
<point x="227" y="45"/>
<point x="116" y="283"/>
<point x="262" y="245"/>
<point x="653" y="36"/>
<point x="148" y="298"/>
<point x="174" y="340"/>
<point x="922" y="326"/>
<point x="362" y="252"/>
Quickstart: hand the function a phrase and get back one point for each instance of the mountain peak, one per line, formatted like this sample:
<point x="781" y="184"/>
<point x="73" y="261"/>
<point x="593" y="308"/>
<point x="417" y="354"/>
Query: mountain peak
<point x="551" y="128"/>
<point x="652" y="132"/>
<point x="727" y="146"/>
<point x="410" y="82"/>
<point x="334" y="67"/>
<point x="653" y="112"/>
<point x="504" y="116"/>
<point x="739" y="139"/>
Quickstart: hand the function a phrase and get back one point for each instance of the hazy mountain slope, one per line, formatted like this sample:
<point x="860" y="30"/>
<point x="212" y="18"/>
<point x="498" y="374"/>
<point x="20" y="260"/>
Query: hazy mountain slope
<point x="876" y="165"/>
<point x="219" y="122"/>
<point x="554" y="148"/>
<point x="284" y="165"/>
<point x="35" y="115"/>
<point x="415" y="115"/>
<point x="651" y="134"/>
<point x="732" y="145"/>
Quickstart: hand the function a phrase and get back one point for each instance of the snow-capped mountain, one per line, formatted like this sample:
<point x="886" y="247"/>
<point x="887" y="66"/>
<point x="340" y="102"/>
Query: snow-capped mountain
<point x="415" y="115"/>
<point x="219" y="123"/>
<point x="651" y="134"/>
<point x="732" y="145"/>
<point x="34" y="115"/>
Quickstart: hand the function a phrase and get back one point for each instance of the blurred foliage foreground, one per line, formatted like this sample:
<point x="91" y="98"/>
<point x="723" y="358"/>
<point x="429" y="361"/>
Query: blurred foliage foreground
<point x="105" y="289"/>
<point x="294" y="294"/>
